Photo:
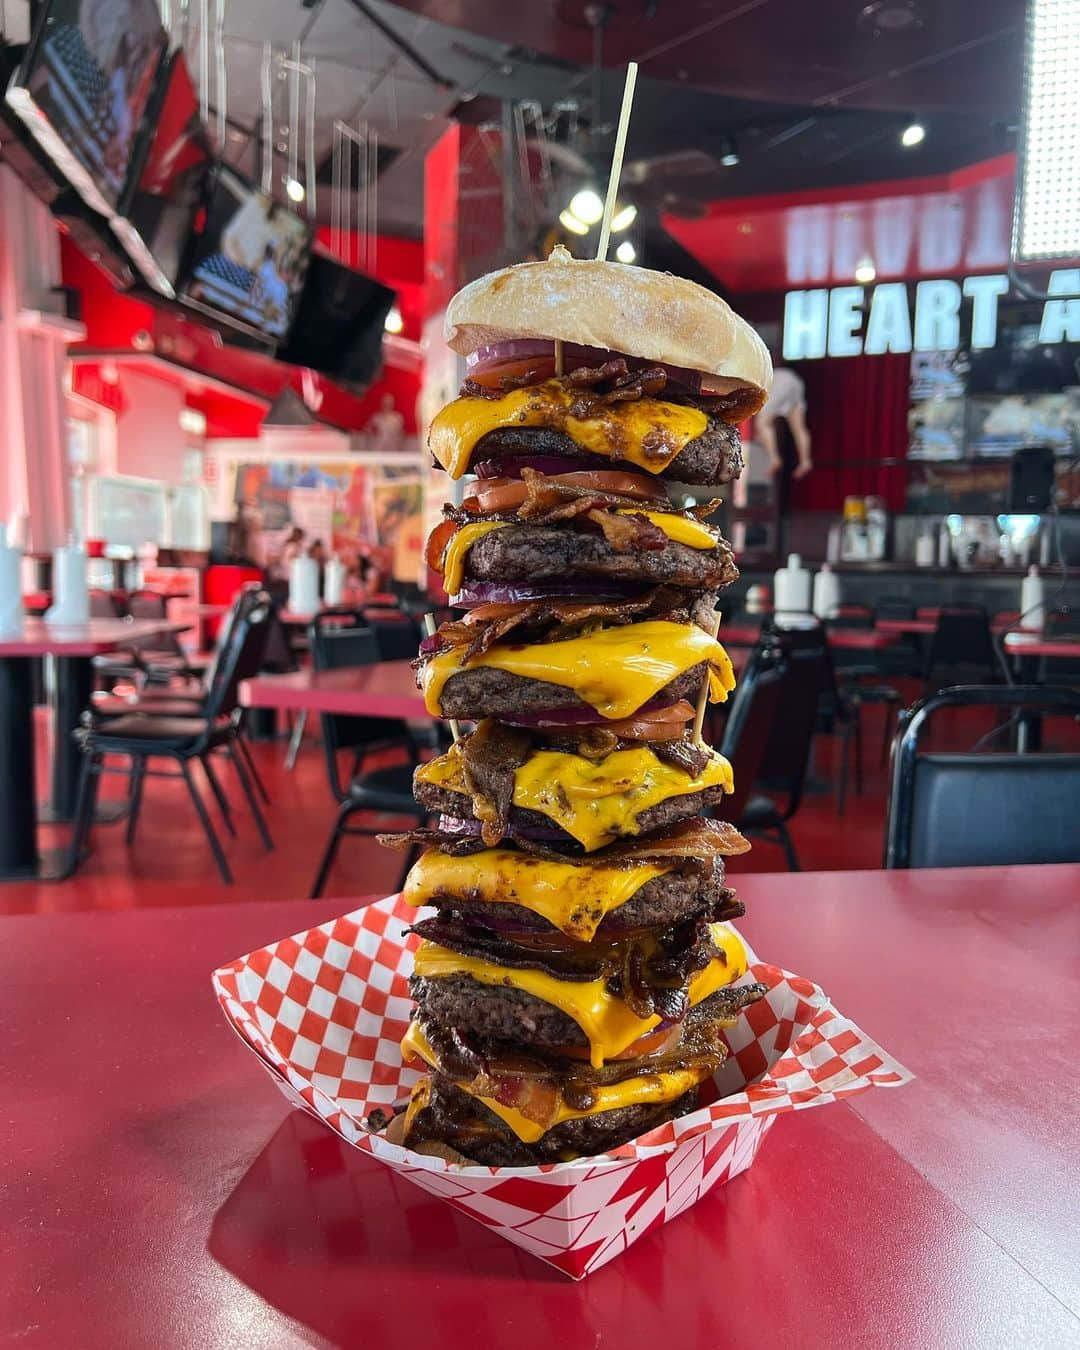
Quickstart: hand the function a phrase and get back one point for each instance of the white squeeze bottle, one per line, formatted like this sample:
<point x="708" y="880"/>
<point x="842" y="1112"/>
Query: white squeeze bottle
<point x="1032" y="600"/>
<point x="826" y="593"/>
<point x="791" y="589"/>
<point x="334" y="581"/>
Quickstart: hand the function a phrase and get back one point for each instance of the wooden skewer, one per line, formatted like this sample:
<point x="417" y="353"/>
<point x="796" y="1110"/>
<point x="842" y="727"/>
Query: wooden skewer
<point x="558" y="357"/>
<point x="616" y="161"/>
<point x="703" y="696"/>
<point x="429" y="629"/>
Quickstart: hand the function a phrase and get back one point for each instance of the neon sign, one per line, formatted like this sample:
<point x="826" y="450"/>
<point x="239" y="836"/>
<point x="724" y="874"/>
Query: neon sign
<point x="837" y="322"/>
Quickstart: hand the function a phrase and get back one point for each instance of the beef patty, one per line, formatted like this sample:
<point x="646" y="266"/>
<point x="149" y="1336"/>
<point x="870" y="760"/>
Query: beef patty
<point x="455" y="1118"/>
<point x="713" y="458"/>
<point x="487" y="692"/>
<point x="661" y="902"/>
<point x="656" y="817"/>
<point x="528" y="553"/>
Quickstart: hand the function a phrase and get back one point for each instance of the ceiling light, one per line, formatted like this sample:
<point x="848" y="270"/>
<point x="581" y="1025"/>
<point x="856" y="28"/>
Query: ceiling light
<point x="394" y="323"/>
<point x="570" y="222"/>
<point x="623" y="218"/>
<point x="295" y="190"/>
<point x="865" y="272"/>
<point x="1047" y="218"/>
<point x="587" y="206"/>
<point x="913" y="134"/>
<point x="626" y="252"/>
<point x="730" y="155"/>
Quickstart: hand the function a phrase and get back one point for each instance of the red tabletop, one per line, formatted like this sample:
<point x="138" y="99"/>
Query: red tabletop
<point x="387" y="689"/>
<point x="159" y="1192"/>
<point x="1034" y="644"/>
<point x="925" y="624"/>
<point x="858" y="639"/>
<point x="94" y="638"/>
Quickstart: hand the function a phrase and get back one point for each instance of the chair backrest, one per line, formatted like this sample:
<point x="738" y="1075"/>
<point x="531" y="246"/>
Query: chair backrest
<point x="1061" y="623"/>
<point x="893" y="607"/>
<point x="956" y="810"/>
<point x="340" y="640"/>
<point x="147" y="605"/>
<point x="754" y="713"/>
<point x="962" y="638"/>
<point x="103" y="605"/>
<point x="239" y="655"/>
<point x="397" y="634"/>
<point x="803" y="655"/>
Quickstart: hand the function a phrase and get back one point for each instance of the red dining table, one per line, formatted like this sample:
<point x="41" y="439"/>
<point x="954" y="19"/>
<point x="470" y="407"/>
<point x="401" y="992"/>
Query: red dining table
<point x="385" y="689"/>
<point x="159" y="1192"/>
<point x="1036" y="644"/>
<point x="72" y="649"/>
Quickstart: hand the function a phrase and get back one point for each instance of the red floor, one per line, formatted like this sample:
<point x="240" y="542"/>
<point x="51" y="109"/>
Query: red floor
<point x="170" y="864"/>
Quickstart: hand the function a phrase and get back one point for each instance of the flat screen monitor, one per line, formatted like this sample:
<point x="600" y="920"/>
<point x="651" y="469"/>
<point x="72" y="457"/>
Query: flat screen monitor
<point x="84" y="86"/>
<point x="168" y="176"/>
<point x="248" y="258"/>
<point x="339" y="323"/>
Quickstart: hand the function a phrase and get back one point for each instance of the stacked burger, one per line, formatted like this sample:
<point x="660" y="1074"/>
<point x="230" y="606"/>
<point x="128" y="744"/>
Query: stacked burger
<point x="573" y="985"/>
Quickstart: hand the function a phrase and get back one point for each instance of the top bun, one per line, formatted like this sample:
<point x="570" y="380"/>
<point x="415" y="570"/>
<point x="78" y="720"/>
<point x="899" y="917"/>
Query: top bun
<point x="620" y="308"/>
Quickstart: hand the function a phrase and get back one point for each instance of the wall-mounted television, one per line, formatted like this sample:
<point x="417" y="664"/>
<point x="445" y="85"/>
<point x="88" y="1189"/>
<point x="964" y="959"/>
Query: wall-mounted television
<point x="170" y="165"/>
<point x="247" y="260"/>
<point x="84" y="86"/>
<point x="338" y="328"/>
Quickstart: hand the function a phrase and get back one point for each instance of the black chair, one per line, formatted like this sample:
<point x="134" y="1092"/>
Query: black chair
<point x="799" y="655"/>
<point x="983" y="808"/>
<point x="961" y="649"/>
<point x="150" y="661"/>
<point x="140" y="738"/>
<point x="337" y="645"/>
<point x="156" y="700"/>
<point x="397" y="633"/>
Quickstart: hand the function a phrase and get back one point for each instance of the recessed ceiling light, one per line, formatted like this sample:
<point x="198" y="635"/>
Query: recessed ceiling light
<point x="624" y="217"/>
<point x="587" y="206"/>
<point x="570" y="222"/>
<point x="393" y="323"/>
<point x="912" y="135"/>
<point x="865" y="272"/>
<point x="295" y="190"/>
<point x="626" y="252"/>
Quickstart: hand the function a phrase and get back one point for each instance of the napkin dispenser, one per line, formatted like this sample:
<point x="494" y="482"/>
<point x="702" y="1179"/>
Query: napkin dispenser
<point x="71" y="595"/>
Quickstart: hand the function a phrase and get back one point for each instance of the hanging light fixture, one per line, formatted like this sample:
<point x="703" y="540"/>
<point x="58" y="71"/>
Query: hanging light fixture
<point x="1047" y="215"/>
<point x="626" y="252"/>
<point x="570" y="222"/>
<point x="913" y="134"/>
<point x="623" y="218"/>
<point x="729" y="155"/>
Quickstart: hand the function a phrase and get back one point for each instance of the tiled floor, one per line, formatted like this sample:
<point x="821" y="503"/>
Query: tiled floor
<point x="170" y="864"/>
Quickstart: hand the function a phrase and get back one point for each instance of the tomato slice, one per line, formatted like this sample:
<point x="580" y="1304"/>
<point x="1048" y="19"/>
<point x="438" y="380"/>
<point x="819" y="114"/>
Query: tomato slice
<point x="507" y="494"/>
<point x="436" y="545"/>
<point x="539" y="368"/>
<point x="662" y="724"/>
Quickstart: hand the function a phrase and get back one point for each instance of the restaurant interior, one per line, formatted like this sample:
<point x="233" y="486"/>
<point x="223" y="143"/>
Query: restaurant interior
<point x="230" y="232"/>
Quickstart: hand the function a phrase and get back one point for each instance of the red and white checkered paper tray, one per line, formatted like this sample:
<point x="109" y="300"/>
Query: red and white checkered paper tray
<point x="325" y="1011"/>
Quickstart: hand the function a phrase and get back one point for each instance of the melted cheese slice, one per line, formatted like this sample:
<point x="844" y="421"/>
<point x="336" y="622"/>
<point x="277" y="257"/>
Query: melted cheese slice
<point x="458" y="548"/>
<point x="594" y="801"/>
<point x="643" y="1090"/>
<point x="614" y="670"/>
<point x="572" y="899"/>
<point x="679" y="529"/>
<point x="607" y="1022"/>
<point x="647" y="433"/>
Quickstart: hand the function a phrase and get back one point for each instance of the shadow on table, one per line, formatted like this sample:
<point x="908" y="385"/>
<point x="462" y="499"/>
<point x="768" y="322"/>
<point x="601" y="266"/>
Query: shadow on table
<point x="316" y="1227"/>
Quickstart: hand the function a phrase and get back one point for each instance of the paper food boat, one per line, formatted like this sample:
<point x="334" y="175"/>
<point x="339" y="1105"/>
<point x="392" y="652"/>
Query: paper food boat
<point x="325" y="1011"/>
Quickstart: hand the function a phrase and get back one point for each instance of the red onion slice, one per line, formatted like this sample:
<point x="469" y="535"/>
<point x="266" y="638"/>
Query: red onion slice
<point x="498" y="593"/>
